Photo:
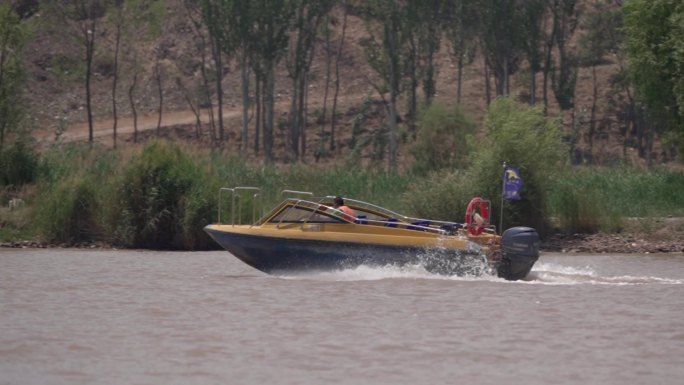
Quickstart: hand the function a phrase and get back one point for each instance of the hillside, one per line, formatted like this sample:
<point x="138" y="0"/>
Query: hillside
<point x="55" y="91"/>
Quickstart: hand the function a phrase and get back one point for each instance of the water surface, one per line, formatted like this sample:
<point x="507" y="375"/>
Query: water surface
<point x="138" y="317"/>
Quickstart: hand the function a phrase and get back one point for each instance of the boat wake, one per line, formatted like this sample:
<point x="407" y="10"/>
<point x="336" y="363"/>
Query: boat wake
<point x="555" y="274"/>
<point x="542" y="273"/>
<point x="376" y="273"/>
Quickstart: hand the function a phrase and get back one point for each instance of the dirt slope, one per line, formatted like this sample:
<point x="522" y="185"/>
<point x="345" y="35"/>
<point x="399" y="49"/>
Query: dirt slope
<point x="57" y="103"/>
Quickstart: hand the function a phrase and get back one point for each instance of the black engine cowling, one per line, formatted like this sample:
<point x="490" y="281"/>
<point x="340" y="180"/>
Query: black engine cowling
<point x="519" y="252"/>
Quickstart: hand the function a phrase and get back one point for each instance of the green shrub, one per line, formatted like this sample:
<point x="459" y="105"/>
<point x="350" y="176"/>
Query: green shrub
<point x="442" y="196"/>
<point x="61" y="161"/>
<point x="66" y="213"/>
<point x="67" y="68"/>
<point x="200" y="209"/>
<point x="154" y="189"/>
<point x="441" y="141"/>
<point x="18" y="164"/>
<point x="521" y="136"/>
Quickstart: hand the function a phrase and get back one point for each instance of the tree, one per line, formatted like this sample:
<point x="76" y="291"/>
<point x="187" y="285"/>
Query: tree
<point x="422" y="24"/>
<point x="218" y="16"/>
<point x="308" y="15"/>
<point x="242" y="19"/>
<point x="522" y="136"/>
<point x="461" y="29"/>
<point x="500" y="39"/>
<point x="12" y="37"/>
<point x="383" y="50"/>
<point x="441" y="142"/>
<point x="533" y="21"/>
<point x="564" y="76"/>
<point x="118" y="21"/>
<point x="601" y="25"/>
<point x="134" y="22"/>
<point x="82" y="19"/>
<point x="339" y="48"/>
<point x="269" y="39"/>
<point x="655" y="48"/>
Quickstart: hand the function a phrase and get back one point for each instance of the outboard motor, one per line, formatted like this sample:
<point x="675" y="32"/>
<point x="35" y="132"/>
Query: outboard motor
<point x="519" y="252"/>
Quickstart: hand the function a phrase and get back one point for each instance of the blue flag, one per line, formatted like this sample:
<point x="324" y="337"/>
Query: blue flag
<point x="512" y="183"/>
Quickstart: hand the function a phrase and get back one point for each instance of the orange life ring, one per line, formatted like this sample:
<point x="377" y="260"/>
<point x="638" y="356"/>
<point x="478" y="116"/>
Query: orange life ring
<point x="476" y="204"/>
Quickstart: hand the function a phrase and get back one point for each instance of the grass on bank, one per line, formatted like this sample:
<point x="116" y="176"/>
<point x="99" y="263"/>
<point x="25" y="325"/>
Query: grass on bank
<point x="162" y="196"/>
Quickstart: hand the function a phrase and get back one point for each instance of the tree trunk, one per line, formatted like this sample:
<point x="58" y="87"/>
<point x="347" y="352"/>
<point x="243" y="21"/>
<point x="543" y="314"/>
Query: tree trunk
<point x="269" y="106"/>
<point x="115" y="76"/>
<point x="488" y="94"/>
<point x="89" y="36"/>
<point x="393" y="132"/>
<point x="394" y="92"/>
<point x="218" y="67"/>
<point x="245" y="104"/>
<point x="333" y="116"/>
<point x="592" y="122"/>
<point x="131" y="99"/>
<point x="413" y="92"/>
<point x="160" y="90"/>
<point x="196" y="111"/>
<point x="506" y="85"/>
<point x="430" y="88"/>
<point x="328" y="72"/>
<point x="294" y="120"/>
<point x="459" y="79"/>
<point x="304" y="103"/>
<point x="547" y="68"/>
<point x="533" y="86"/>
<point x="258" y="98"/>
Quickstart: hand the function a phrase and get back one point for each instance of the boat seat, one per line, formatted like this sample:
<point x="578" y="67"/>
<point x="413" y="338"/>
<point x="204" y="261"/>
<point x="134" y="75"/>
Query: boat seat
<point x="361" y="220"/>
<point x="451" y="228"/>
<point x="419" y="225"/>
<point x="391" y="222"/>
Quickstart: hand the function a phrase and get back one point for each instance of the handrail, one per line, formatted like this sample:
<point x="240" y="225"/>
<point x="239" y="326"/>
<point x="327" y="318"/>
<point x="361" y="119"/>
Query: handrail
<point x="222" y="189"/>
<point x="391" y="213"/>
<point x="295" y="192"/>
<point x="257" y="194"/>
<point x="404" y="222"/>
<point x="408" y="226"/>
<point x="236" y="193"/>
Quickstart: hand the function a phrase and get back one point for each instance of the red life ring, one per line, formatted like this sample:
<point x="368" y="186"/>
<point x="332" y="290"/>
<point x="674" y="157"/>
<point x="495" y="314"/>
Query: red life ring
<point x="479" y="206"/>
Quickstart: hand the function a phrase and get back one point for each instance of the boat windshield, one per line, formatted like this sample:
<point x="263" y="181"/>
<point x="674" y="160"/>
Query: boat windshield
<point x="300" y="214"/>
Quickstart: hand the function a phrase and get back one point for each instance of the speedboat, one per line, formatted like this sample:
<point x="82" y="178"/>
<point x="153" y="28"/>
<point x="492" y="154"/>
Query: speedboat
<point x="307" y="233"/>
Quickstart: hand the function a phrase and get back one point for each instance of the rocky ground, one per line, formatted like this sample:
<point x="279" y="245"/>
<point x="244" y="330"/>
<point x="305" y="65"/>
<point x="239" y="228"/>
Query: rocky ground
<point x="610" y="243"/>
<point x="639" y="235"/>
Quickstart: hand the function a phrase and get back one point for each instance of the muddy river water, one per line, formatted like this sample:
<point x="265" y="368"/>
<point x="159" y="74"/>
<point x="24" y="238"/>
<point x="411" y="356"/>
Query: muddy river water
<point x="142" y="317"/>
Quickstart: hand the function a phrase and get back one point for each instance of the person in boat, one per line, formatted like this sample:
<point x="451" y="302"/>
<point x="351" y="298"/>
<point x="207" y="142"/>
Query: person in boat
<point x="349" y="213"/>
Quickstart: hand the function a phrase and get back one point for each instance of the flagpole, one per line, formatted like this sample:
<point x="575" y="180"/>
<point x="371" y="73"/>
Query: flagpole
<point x="503" y="188"/>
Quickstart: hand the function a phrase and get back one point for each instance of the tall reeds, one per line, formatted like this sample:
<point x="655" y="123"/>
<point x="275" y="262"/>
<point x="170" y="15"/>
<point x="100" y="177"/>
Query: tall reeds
<point x="162" y="195"/>
<point x="598" y="199"/>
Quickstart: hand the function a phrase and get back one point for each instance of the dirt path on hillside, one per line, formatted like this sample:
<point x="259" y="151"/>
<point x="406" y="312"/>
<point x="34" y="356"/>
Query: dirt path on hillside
<point x="103" y="128"/>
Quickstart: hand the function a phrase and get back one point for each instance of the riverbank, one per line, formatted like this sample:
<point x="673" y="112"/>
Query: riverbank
<point x="638" y="235"/>
<point x="666" y="241"/>
<point x="611" y="243"/>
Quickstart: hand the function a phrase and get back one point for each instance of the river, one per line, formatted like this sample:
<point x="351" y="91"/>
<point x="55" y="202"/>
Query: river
<point x="159" y="318"/>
